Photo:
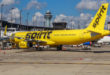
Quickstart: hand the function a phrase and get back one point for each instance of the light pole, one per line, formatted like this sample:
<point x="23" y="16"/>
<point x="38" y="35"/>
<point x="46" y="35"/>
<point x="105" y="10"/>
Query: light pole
<point x="1" y="19"/>
<point x="2" y="11"/>
<point x="27" y="18"/>
<point x="72" y="24"/>
<point x="20" y="17"/>
<point x="11" y="17"/>
<point x="78" y="24"/>
<point x="33" y="22"/>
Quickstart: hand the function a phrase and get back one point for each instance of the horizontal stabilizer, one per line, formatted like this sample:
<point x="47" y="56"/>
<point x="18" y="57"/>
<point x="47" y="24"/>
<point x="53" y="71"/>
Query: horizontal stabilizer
<point x="93" y="33"/>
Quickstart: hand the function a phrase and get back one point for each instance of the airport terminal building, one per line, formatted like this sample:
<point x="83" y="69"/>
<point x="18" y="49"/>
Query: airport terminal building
<point x="13" y="27"/>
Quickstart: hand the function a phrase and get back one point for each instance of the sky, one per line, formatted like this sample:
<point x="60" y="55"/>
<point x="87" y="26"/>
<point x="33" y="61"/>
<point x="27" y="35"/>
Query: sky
<point x="74" y="12"/>
<point x="55" y="6"/>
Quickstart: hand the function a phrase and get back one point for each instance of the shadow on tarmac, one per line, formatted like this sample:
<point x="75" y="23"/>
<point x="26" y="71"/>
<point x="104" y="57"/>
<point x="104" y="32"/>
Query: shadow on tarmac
<point x="68" y="50"/>
<point x="93" y="51"/>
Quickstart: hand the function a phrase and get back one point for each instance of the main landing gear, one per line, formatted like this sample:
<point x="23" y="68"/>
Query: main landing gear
<point x="38" y="48"/>
<point x="60" y="47"/>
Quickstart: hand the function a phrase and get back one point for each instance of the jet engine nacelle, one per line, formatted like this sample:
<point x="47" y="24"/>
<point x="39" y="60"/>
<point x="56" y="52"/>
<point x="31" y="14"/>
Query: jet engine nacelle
<point x="23" y="44"/>
<point x="26" y="44"/>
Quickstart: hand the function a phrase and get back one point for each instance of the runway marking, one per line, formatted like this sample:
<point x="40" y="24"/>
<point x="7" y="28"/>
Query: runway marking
<point x="54" y="63"/>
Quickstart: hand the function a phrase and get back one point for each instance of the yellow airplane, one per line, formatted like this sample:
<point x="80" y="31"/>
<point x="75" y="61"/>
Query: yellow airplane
<point x="64" y="37"/>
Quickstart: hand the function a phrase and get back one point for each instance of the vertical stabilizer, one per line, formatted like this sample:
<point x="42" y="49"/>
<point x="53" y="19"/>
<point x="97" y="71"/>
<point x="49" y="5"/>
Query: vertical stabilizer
<point x="5" y="30"/>
<point x="98" y="21"/>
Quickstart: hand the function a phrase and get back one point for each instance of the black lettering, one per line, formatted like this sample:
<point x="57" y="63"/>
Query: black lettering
<point x="28" y="36"/>
<point x="48" y="36"/>
<point x="40" y="35"/>
<point x="103" y="8"/>
<point x="99" y="17"/>
<point x="33" y="36"/>
<point x="45" y="33"/>
<point x="101" y="11"/>
<point x="94" y="25"/>
<point x="97" y="20"/>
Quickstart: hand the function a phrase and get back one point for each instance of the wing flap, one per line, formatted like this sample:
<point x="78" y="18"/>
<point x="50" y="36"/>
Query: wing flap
<point x="46" y="42"/>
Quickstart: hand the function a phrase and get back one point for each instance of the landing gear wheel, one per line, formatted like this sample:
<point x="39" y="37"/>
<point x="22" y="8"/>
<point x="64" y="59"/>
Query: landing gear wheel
<point x="59" y="48"/>
<point x="38" y="49"/>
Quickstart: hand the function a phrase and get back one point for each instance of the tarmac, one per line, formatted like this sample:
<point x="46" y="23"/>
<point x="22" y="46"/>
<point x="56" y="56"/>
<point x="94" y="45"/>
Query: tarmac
<point x="70" y="61"/>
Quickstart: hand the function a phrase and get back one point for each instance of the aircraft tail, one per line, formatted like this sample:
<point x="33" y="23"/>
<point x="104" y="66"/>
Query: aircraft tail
<point x="98" y="22"/>
<point x="5" y="30"/>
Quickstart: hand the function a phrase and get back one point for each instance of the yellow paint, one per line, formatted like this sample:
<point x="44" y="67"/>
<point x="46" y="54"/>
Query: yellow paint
<point x="23" y="44"/>
<point x="68" y="37"/>
<point x="5" y="30"/>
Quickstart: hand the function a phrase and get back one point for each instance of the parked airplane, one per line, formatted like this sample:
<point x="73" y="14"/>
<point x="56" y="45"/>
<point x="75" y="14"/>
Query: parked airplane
<point x="58" y="38"/>
<point x="105" y="39"/>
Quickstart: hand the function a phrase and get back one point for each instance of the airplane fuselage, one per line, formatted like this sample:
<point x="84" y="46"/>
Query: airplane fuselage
<point x="57" y="37"/>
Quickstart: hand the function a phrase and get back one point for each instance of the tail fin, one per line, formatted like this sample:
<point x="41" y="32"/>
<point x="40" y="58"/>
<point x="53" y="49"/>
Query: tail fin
<point x="5" y="30"/>
<point x="97" y="24"/>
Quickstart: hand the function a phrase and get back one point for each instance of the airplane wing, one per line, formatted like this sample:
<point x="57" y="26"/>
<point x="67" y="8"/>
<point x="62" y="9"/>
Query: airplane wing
<point x="41" y="41"/>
